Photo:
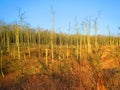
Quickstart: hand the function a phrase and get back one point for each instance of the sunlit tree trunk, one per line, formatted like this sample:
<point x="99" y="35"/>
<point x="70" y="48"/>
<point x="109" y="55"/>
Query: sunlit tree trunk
<point x="1" y="65"/>
<point x="28" y="42"/>
<point x="46" y="50"/>
<point x="110" y="41"/>
<point x="96" y="31"/>
<point x="7" y="37"/>
<point x="38" y="37"/>
<point x="77" y="48"/>
<point x="88" y="37"/>
<point x="17" y="41"/>
<point x="52" y="35"/>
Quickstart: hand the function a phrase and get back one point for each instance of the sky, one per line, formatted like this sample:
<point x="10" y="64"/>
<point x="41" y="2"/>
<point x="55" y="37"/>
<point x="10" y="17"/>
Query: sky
<point x="38" y="13"/>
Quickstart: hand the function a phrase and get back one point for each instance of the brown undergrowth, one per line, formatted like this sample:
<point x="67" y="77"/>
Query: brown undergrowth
<point x="99" y="70"/>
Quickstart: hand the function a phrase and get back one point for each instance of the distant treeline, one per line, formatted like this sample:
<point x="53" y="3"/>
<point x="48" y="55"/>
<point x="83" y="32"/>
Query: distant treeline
<point x="43" y="37"/>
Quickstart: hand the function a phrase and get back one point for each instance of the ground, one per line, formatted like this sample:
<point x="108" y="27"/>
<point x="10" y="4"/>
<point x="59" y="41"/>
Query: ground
<point x="99" y="70"/>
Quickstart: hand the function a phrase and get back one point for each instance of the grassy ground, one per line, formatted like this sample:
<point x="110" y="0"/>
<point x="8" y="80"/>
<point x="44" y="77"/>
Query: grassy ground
<point x="99" y="70"/>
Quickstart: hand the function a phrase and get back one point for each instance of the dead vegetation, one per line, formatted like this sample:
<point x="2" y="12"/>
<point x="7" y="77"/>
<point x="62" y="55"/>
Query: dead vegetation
<point x="67" y="74"/>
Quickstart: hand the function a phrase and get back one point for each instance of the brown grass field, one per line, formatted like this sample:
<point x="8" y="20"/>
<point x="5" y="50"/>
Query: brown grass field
<point x="98" y="70"/>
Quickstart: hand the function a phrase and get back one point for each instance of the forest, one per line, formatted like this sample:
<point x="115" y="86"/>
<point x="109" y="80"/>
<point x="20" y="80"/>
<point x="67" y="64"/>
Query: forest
<point x="38" y="59"/>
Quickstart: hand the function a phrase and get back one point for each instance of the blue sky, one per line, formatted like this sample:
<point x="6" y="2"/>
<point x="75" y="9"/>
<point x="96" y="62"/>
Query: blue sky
<point x="38" y="13"/>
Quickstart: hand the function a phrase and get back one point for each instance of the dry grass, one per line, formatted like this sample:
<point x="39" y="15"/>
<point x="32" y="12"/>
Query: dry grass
<point x="67" y="74"/>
